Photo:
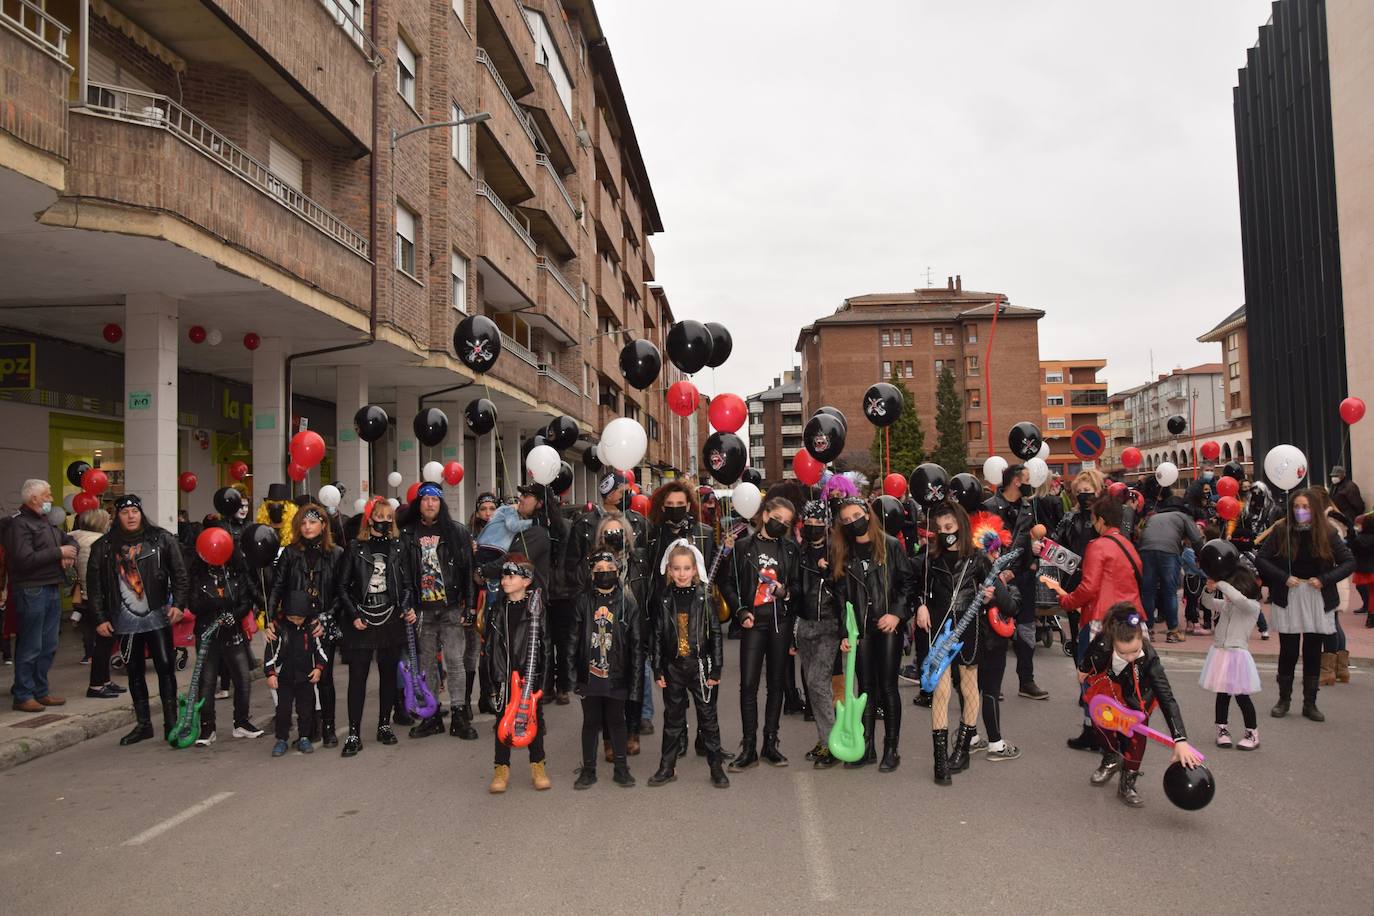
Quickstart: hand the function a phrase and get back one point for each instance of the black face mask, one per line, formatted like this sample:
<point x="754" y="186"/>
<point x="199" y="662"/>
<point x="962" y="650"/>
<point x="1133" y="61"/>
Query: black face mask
<point x="1085" y="500"/>
<point x="605" y="579"/>
<point x="775" y="528"/>
<point x="614" y="538"/>
<point x="1027" y="490"/>
<point x="674" y="514"/>
<point x="950" y="540"/>
<point x="857" y="528"/>
<point x="381" y="529"/>
<point x="815" y="534"/>
<point x="275" y="513"/>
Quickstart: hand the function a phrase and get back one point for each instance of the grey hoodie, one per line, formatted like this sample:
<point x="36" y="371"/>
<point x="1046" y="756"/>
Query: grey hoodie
<point x="1168" y="529"/>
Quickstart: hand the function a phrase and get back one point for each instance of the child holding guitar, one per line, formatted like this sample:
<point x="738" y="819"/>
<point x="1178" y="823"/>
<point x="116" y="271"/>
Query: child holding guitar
<point x="295" y="661"/>
<point x="518" y="658"/>
<point x="1121" y="666"/>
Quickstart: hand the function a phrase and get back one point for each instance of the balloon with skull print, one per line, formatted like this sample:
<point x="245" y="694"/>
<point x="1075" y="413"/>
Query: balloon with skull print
<point x="883" y="404"/>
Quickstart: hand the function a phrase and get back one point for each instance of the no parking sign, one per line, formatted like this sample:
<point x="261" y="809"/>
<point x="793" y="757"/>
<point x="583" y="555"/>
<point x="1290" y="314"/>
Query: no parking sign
<point x="1088" y="442"/>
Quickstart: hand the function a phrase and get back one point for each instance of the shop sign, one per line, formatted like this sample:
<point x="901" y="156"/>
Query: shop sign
<point x="18" y="367"/>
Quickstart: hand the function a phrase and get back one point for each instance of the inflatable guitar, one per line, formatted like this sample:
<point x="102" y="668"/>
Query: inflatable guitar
<point x="723" y="610"/>
<point x="420" y="699"/>
<point x="948" y="643"/>
<point x="1111" y="716"/>
<point x="519" y="723"/>
<point x="187" y="729"/>
<point x="846" y="741"/>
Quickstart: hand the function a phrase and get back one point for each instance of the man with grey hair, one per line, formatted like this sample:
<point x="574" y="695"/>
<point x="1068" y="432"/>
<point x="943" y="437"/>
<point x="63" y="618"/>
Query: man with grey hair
<point x="39" y="554"/>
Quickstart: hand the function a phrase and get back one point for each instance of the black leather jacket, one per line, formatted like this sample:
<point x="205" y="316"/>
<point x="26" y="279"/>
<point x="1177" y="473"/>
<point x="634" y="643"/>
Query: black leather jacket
<point x="578" y="544"/>
<point x="886" y="589"/>
<point x="455" y="557"/>
<point x="1075" y="531"/>
<point x="505" y="648"/>
<point x="292" y="574"/>
<point x="1018" y="519"/>
<point x="626" y="658"/>
<point x="703" y="634"/>
<point x="737" y="576"/>
<point x="659" y="540"/>
<point x="240" y="596"/>
<point x="817" y="600"/>
<point x="1275" y="567"/>
<point x="355" y="570"/>
<point x="159" y="563"/>
<point x="1143" y="682"/>
<point x="947" y="571"/>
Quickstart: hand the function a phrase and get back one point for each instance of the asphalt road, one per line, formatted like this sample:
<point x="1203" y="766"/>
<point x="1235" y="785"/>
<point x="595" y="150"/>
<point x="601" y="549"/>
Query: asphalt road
<point x="411" y="829"/>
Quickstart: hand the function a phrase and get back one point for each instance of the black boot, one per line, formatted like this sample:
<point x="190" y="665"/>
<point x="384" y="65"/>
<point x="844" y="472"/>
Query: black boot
<point x="682" y="745"/>
<point x="1126" y="789"/>
<point x="922" y="699"/>
<point x="700" y="745"/>
<point x="771" y="752"/>
<point x="586" y="777"/>
<point x="958" y="758"/>
<point x="399" y="715"/>
<point x="1086" y="740"/>
<point x="792" y="702"/>
<point x="460" y="723"/>
<point x="748" y="755"/>
<point x="1285" y="697"/>
<point x="352" y="744"/>
<point x="870" y="755"/>
<point x="621" y="776"/>
<point x="169" y="717"/>
<point x="1309" y="700"/>
<point x="718" y="777"/>
<point x="433" y="725"/>
<point x="143" y="725"/>
<point x="384" y="733"/>
<point x="484" y="706"/>
<point x="331" y="739"/>
<point x="891" y="759"/>
<point x="664" y="775"/>
<point x="940" y="739"/>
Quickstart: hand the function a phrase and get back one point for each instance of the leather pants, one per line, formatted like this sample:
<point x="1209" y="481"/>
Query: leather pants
<point x="880" y="658"/>
<point x="758" y="643"/>
<point x="158" y="644"/>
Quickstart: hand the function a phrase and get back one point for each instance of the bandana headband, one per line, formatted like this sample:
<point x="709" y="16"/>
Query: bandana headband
<point x="853" y="501"/>
<point x="681" y="542"/>
<point x="603" y="556"/>
<point x="429" y="489"/>
<point x="517" y="569"/>
<point x="127" y="500"/>
<point x="312" y="514"/>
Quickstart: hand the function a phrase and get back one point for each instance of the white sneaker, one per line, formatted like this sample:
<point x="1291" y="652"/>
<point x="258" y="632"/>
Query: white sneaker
<point x="205" y="740"/>
<point x="247" y="730"/>
<point x="221" y="694"/>
<point x="978" y="743"/>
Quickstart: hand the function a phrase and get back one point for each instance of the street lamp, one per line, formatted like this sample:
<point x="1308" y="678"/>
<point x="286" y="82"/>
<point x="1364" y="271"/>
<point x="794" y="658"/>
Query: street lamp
<point x="471" y="119"/>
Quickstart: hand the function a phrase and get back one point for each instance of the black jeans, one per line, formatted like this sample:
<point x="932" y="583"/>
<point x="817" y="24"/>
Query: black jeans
<point x="991" y="667"/>
<point x="301" y="695"/>
<point x="599" y="713"/>
<point x="880" y="658"/>
<point x="683" y="678"/>
<point x="1023" y="640"/>
<point x="328" y="696"/>
<point x="561" y="619"/>
<point x="359" y="661"/>
<point x="158" y="644"/>
<point x="536" y="747"/>
<point x="237" y="665"/>
<point x="760" y="642"/>
<point x="98" y="648"/>
<point x="1312" y="645"/>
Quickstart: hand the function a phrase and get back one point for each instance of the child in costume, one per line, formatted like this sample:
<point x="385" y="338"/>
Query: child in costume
<point x="515" y="618"/>
<point x="295" y="661"/>
<point x="1230" y="669"/>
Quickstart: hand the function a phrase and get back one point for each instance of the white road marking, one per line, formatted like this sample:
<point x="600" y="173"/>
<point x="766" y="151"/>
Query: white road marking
<point x="813" y="841"/>
<point x="175" y="820"/>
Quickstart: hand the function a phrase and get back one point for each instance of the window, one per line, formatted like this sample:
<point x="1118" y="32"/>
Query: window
<point x="582" y="212"/>
<point x="1233" y="341"/>
<point x="586" y="303"/>
<point x="887" y="369"/>
<point x="756" y="442"/>
<point x="973" y="397"/>
<point x="546" y="53"/>
<point x="285" y="165"/>
<point x="1056" y="423"/>
<point x="405" y="71"/>
<point x="460" y="139"/>
<point x="652" y="426"/>
<point x="1234" y="370"/>
<point x="906" y="337"/>
<point x="1054" y="400"/>
<point x="458" y="274"/>
<point x="975" y="431"/>
<point x="405" y="240"/>
<point x="1235" y="400"/>
<point x="941" y="365"/>
<point x="944" y="337"/>
<point x="972" y="333"/>
<point x="909" y="369"/>
<point x="349" y="15"/>
<point x="883" y="340"/>
<point x="971" y="365"/>
<point x="460" y="10"/>
<point x="1054" y="378"/>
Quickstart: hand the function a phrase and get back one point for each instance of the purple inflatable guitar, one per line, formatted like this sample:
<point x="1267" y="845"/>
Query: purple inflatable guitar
<point x="420" y="700"/>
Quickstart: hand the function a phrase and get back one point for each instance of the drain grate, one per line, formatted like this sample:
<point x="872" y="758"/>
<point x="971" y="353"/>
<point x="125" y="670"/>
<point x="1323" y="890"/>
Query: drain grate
<point x="40" y="721"/>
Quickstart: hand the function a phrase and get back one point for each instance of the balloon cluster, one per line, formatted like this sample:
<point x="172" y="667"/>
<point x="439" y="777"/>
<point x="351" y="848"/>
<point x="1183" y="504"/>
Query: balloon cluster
<point x="307" y="450"/>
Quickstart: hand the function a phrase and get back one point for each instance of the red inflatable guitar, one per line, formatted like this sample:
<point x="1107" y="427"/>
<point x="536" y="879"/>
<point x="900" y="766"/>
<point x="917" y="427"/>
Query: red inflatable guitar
<point x="1111" y="715"/>
<point x="520" y="723"/>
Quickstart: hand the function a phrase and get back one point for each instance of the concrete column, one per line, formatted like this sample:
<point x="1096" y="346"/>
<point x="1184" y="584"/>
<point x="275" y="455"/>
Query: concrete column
<point x="483" y="470"/>
<point x="350" y="394"/>
<point x="150" y="397"/>
<point x="201" y="462"/>
<point x="407" y="446"/>
<point x="271" y="416"/>
<point x="508" y="453"/>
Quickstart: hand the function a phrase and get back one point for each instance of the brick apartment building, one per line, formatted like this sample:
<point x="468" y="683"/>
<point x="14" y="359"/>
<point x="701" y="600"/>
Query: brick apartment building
<point x="220" y="166"/>
<point x="775" y="426"/>
<point x="1235" y="356"/>
<point x="1198" y="395"/>
<point x="1071" y="396"/>
<point x="918" y="334"/>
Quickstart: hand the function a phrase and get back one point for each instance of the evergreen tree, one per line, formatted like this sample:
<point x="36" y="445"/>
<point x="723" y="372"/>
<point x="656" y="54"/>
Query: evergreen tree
<point x="952" y="453"/>
<point x="907" y="437"/>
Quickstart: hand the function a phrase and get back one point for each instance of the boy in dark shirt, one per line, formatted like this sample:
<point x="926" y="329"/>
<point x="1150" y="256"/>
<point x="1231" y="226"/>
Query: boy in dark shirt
<point x="295" y="661"/>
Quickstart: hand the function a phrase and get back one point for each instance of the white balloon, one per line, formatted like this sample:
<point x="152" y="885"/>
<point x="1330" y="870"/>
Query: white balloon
<point x="1044" y="453"/>
<point x="746" y="499"/>
<point x="542" y="462"/>
<point x="394" y="502"/>
<point x="215" y="337"/>
<point x="394" y="479"/>
<point x="624" y="443"/>
<point x="993" y="468"/>
<point x="1039" y="471"/>
<point x="1166" y="474"/>
<point x="600" y="455"/>
<point x="359" y="505"/>
<point x="330" y="496"/>
<point x="1285" y="466"/>
<point x="433" y="471"/>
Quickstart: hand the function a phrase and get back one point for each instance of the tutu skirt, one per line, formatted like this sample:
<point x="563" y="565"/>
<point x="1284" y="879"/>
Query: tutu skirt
<point x="1230" y="671"/>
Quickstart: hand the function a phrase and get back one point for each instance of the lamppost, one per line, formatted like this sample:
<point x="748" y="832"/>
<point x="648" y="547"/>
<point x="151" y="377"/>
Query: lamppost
<point x="477" y="118"/>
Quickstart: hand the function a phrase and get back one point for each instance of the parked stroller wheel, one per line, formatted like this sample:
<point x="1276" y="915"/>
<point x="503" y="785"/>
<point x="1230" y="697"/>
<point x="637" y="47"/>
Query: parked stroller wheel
<point x="1046" y="637"/>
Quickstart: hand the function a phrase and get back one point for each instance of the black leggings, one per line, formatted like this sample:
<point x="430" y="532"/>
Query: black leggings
<point x="1312" y="645"/>
<point x="599" y="713"/>
<point x="328" y="698"/>
<point x="991" y="667"/>
<point x="233" y="661"/>
<point x="158" y="644"/>
<point x="98" y="648"/>
<point x="1247" y="709"/>
<point x="359" y="660"/>
<point x="880" y="658"/>
<point x="757" y="643"/>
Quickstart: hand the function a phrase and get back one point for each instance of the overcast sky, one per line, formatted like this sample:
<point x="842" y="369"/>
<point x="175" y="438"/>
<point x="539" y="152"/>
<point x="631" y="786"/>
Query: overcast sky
<point x="1077" y="156"/>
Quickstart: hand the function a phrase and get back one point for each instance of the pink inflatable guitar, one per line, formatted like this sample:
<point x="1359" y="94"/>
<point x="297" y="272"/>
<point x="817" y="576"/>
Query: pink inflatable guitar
<point x="1109" y="715"/>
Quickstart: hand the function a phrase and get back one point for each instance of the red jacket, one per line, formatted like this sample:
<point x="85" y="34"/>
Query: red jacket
<point x="1108" y="577"/>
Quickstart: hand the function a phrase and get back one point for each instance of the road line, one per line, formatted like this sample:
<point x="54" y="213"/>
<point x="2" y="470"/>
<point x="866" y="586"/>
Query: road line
<point x="813" y="841"/>
<point x="175" y="820"/>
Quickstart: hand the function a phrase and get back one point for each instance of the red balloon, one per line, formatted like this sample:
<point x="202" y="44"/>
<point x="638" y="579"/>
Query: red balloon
<point x="112" y="333"/>
<point x="1352" y="410"/>
<point x="1228" y="486"/>
<point x="95" y="481"/>
<point x="1118" y="490"/>
<point x="453" y="473"/>
<point x="894" y="485"/>
<point x="807" y="469"/>
<point x="727" y="412"/>
<point x="238" y="470"/>
<point x="630" y="478"/>
<point x="683" y="398"/>
<point x="251" y="341"/>
<point x="296" y="471"/>
<point x="1211" y="451"/>
<point x="186" y="481"/>
<point x="307" y="448"/>
<point x="634" y="488"/>
<point x="215" y="546"/>
<point x="83" y="502"/>
<point x="1131" y="457"/>
<point x="1228" y="507"/>
<point x="197" y="335"/>
<point x="640" y="503"/>
<point x="413" y="492"/>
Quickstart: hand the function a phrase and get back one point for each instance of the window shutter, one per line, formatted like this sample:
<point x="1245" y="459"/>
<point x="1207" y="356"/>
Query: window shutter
<point x="285" y="164"/>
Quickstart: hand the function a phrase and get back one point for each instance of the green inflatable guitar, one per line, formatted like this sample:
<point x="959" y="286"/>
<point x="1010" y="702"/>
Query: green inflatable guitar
<point x="847" y="736"/>
<point x="187" y="729"/>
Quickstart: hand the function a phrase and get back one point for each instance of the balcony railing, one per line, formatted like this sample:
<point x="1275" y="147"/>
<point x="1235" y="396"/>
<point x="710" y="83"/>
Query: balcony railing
<point x="520" y="351"/>
<point x="33" y="24"/>
<point x="546" y="265"/>
<point x="792" y="430"/>
<point x="484" y="190"/>
<point x="152" y="110"/>
<point x="541" y="159"/>
<point x="560" y="378"/>
<point x="1087" y="399"/>
<point x="520" y="114"/>
<point x="339" y="11"/>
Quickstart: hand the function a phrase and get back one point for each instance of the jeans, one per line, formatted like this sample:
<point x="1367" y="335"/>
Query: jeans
<point x="233" y="661"/>
<point x="445" y="626"/>
<point x="817" y="642"/>
<point x="1159" y="586"/>
<point x="1023" y="641"/>
<point x="39" y="614"/>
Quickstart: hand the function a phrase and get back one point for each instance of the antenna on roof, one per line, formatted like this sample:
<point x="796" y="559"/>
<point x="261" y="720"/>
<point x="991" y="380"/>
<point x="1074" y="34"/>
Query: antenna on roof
<point x="929" y="278"/>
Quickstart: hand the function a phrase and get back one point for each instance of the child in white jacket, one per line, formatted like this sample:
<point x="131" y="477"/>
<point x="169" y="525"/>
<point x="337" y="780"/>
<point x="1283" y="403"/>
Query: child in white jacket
<point x="1230" y="668"/>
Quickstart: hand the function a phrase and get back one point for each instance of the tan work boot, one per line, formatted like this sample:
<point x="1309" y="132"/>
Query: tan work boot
<point x="539" y="777"/>
<point x="610" y="752"/>
<point x="500" y="779"/>
<point x="1328" y="675"/>
<point x="1343" y="667"/>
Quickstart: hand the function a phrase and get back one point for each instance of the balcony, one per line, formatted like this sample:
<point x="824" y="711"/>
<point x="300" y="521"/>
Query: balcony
<point x="517" y="367"/>
<point x="552" y="213"/>
<point x="608" y="166"/>
<point x="508" y="264"/>
<point x="606" y="282"/>
<point x="506" y="36"/>
<point x="792" y="430"/>
<point x="607" y="214"/>
<point x="553" y="120"/>
<point x="633" y="215"/>
<point x="1087" y="398"/>
<point x="36" y="70"/>
<point x="561" y="392"/>
<point x="648" y="250"/>
<point x="558" y="311"/>
<point x="505" y="142"/>
<point x="144" y="150"/>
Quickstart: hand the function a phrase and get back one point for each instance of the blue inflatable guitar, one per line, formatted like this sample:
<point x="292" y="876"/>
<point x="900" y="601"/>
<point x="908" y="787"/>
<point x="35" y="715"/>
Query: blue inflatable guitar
<point x="947" y="645"/>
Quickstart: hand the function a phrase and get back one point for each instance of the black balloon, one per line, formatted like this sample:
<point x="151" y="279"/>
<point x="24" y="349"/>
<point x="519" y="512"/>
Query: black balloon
<point x="477" y="341"/>
<point x="480" y="416"/>
<point x="640" y="363"/>
<point x="721" y="344"/>
<point x="228" y="501"/>
<point x="824" y="437"/>
<point x="75" y="470"/>
<point x="752" y="475"/>
<point x="1024" y="440"/>
<point x="590" y="461"/>
<point x="889" y="509"/>
<point x="371" y="422"/>
<point x="259" y="544"/>
<point x="929" y="485"/>
<point x="564" y="481"/>
<point x="883" y="404"/>
<point x="562" y="433"/>
<point x="689" y="345"/>
<point x="967" y="491"/>
<point x="1189" y="789"/>
<point x="1234" y="469"/>
<point x="530" y="444"/>
<point x="430" y="426"/>
<point x="723" y="454"/>
<point x="1218" y="559"/>
<point x="1177" y="424"/>
<point x="835" y="412"/>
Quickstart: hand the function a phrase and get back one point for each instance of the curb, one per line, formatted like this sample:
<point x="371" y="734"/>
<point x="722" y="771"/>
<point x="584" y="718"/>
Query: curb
<point x="22" y="750"/>
<point x="1259" y="659"/>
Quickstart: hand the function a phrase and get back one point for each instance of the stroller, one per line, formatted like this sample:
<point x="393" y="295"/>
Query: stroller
<point x="1048" y="621"/>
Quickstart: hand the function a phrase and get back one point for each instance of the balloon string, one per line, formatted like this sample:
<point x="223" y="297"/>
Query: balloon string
<point x="887" y="449"/>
